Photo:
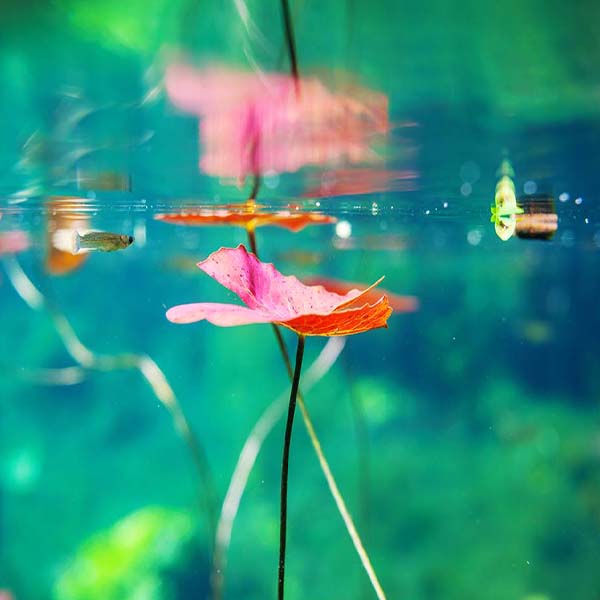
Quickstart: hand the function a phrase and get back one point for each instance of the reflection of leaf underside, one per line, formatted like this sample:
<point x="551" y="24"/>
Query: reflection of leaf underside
<point x="290" y="221"/>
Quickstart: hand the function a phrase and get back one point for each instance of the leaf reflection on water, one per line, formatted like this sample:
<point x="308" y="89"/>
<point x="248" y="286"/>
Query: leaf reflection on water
<point x="252" y="123"/>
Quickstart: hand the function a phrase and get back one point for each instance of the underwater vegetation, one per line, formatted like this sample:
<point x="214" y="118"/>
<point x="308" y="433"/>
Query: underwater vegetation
<point x="141" y="556"/>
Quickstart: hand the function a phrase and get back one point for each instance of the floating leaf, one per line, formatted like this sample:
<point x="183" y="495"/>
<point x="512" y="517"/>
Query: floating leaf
<point x="271" y="297"/>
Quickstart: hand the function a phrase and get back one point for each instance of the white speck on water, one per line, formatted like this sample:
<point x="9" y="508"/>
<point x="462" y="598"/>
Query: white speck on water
<point x="563" y="197"/>
<point x="317" y="204"/>
<point x="445" y="205"/>
<point x="343" y="230"/>
<point x="578" y="201"/>
<point x="586" y="220"/>
<point x="374" y="208"/>
<point x="427" y="212"/>
<point x="474" y="237"/>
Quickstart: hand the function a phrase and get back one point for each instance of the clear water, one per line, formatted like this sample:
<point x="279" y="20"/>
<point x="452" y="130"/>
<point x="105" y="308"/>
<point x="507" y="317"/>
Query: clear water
<point x="464" y="437"/>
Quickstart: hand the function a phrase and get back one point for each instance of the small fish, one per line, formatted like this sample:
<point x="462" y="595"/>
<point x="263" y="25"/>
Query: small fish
<point x="505" y="206"/>
<point x="72" y="241"/>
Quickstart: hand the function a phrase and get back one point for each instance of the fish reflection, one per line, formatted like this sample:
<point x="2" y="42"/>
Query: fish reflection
<point x="64" y="214"/>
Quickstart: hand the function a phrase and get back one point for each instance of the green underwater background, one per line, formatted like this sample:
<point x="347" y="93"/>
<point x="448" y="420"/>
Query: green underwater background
<point x="465" y="437"/>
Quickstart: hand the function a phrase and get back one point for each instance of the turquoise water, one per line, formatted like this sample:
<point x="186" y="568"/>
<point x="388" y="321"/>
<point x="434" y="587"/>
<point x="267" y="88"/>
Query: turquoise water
<point x="464" y="437"/>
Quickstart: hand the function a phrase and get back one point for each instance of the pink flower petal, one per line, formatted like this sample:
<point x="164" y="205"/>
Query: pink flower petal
<point x="12" y="242"/>
<point x="274" y="298"/>
<point x="260" y="286"/>
<point x="223" y="315"/>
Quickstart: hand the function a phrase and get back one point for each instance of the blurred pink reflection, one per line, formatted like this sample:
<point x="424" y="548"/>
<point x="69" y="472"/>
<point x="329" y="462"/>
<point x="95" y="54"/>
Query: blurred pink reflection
<point x="12" y="242"/>
<point x="357" y="181"/>
<point x="255" y="122"/>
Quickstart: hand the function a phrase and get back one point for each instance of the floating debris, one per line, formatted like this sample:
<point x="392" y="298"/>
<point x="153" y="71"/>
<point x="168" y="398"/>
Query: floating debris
<point x="539" y="219"/>
<point x="242" y="216"/>
<point x="103" y="180"/>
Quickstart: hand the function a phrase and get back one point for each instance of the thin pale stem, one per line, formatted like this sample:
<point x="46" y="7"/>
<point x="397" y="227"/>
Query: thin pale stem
<point x="249" y="453"/>
<point x="89" y="360"/>
<point x="333" y="488"/>
<point x="339" y="501"/>
<point x="285" y="467"/>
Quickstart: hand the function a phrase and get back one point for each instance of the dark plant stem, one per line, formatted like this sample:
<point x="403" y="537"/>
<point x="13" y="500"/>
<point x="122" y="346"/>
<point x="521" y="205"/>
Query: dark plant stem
<point x="276" y="330"/>
<point x="289" y="38"/>
<point x="284" y="352"/>
<point x="285" y="464"/>
<point x="255" y="187"/>
<point x="252" y="240"/>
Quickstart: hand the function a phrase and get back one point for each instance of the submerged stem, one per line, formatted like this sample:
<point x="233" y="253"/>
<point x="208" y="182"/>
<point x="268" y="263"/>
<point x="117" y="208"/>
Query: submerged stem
<point x="285" y="465"/>
<point x="333" y="488"/>
<point x="249" y="453"/>
<point x="252" y="240"/>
